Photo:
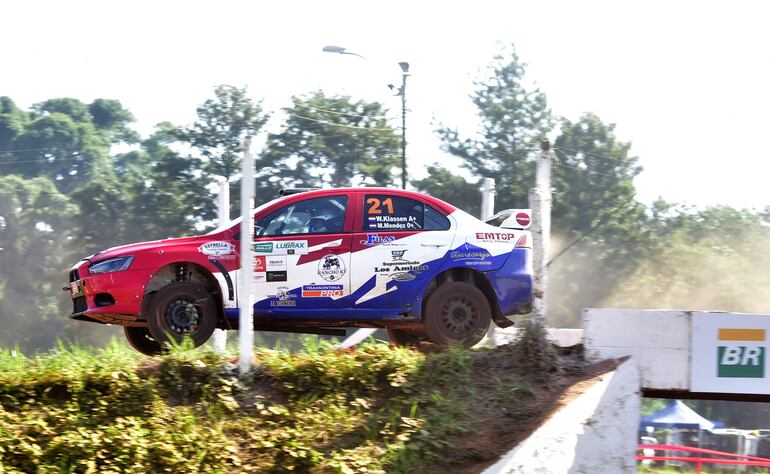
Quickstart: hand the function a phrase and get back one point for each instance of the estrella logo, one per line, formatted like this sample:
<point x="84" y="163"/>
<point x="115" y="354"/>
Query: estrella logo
<point x="741" y="353"/>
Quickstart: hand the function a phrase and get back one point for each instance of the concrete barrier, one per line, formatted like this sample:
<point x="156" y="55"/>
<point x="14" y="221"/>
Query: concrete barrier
<point x="595" y="433"/>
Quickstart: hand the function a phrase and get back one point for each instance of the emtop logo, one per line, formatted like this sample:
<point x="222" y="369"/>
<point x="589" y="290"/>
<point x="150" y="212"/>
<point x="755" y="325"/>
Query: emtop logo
<point x="741" y="353"/>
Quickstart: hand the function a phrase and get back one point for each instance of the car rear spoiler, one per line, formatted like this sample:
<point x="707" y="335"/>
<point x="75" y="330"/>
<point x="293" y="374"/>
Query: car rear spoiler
<point x="512" y="219"/>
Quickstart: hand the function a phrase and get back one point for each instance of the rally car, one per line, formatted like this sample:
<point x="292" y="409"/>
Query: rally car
<point x="325" y="260"/>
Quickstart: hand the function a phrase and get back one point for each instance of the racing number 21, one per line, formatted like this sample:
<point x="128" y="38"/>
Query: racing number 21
<point x="375" y="203"/>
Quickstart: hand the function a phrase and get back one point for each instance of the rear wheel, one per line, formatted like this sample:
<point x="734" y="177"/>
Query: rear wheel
<point x="182" y="310"/>
<point x="457" y="312"/>
<point x="141" y="340"/>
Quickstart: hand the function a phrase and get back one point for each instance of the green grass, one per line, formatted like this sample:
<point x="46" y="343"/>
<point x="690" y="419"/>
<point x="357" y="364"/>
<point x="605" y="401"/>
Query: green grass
<point x="375" y="409"/>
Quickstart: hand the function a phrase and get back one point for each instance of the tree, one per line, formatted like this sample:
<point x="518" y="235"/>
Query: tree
<point x="12" y="122"/>
<point x="445" y="185"/>
<point x="329" y="141"/>
<point x="222" y="126"/>
<point x="110" y="117"/>
<point x="159" y="179"/>
<point x="35" y="236"/>
<point x="513" y="120"/>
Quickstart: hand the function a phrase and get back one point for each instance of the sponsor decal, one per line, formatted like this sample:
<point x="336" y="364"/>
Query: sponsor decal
<point x="403" y="276"/>
<point x="276" y="276"/>
<point x="472" y="257"/>
<point x="377" y="239"/>
<point x="398" y="255"/>
<point x="399" y="264"/>
<point x="522" y="218"/>
<point x="739" y="355"/>
<point x="282" y="298"/>
<point x="283" y="247"/>
<point x="322" y="291"/>
<point x="291" y="247"/>
<point x="496" y="236"/>
<point x="386" y="222"/>
<point x="331" y="267"/>
<point x="259" y="264"/>
<point x="263" y="247"/>
<point x="259" y="277"/>
<point x="216" y="248"/>
<point x="275" y="262"/>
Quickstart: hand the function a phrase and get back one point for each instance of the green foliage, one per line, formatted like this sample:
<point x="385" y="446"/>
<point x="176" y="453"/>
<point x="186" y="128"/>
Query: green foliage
<point x="454" y="189"/>
<point x="328" y="141"/>
<point x="377" y="409"/>
<point x="513" y="119"/>
<point x="223" y="124"/>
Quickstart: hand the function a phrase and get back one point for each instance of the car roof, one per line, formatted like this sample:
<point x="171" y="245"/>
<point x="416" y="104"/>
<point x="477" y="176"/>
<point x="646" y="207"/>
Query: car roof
<point x="440" y="205"/>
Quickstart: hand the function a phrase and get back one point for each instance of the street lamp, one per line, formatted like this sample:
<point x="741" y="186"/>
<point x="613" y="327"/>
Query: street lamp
<point x="400" y="91"/>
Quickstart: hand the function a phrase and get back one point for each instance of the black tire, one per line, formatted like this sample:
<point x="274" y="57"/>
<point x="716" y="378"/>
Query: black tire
<point x="141" y="340"/>
<point x="457" y="312"/>
<point x="182" y="310"/>
<point x="404" y="337"/>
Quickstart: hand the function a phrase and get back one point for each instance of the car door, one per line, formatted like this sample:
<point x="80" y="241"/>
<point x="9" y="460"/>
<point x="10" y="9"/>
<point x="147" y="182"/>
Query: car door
<point x="399" y="246"/>
<point x="303" y="257"/>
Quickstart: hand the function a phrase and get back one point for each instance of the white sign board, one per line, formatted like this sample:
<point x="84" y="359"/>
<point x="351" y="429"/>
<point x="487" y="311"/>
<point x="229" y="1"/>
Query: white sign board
<point x="729" y="353"/>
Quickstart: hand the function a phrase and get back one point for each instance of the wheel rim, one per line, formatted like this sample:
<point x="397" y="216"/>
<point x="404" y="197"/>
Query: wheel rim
<point x="182" y="316"/>
<point x="459" y="316"/>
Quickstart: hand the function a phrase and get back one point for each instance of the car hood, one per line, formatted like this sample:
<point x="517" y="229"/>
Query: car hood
<point x="133" y="249"/>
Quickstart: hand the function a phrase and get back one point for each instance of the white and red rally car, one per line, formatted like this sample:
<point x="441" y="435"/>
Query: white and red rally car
<point x="326" y="259"/>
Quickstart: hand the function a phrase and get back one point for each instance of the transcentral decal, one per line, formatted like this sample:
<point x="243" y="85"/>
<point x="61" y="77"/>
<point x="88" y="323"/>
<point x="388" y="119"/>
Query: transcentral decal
<point x="377" y="239"/>
<point x="394" y="222"/>
<point x="263" y="247"/>
<point x="331" y="267"/>
<point x="322" y="291"/>
<point x="496" y="236"/>
<point x="217" y="249"/>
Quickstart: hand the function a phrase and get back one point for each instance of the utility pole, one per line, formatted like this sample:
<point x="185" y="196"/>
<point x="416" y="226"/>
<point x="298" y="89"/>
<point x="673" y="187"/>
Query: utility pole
<point x="487" y="211"/>
<point x="540" y="201"/>
<point x="245" y="293"/>
<point x="487" y="198"/>
<point x="223" y="216"/>
<point x="403" y="126"/>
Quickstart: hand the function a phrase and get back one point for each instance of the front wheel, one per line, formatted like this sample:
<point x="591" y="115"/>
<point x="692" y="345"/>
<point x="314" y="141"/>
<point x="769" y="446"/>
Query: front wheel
<point x="181" y="310"/>
<point x="457" y="313"/>
<point x="141" y="340"/>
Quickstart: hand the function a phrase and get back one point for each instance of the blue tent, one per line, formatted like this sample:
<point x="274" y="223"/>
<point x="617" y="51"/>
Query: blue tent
<point x="678" y="415"/>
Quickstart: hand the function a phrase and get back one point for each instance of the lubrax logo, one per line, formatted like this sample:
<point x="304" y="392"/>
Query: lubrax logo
<point x="741" y="353"/>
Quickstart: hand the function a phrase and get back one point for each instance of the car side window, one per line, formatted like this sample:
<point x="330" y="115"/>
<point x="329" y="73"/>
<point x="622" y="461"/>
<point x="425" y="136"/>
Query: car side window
<point x="383" y="212"/>
<point x="324" y="215"/>
<point x="435" y="220"/>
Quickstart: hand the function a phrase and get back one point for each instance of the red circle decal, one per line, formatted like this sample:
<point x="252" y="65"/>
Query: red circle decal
<point x="522" y="218"/>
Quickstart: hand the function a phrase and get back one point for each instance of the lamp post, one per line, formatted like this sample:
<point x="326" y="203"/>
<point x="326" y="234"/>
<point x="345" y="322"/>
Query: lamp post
<point x="400" y="91"/>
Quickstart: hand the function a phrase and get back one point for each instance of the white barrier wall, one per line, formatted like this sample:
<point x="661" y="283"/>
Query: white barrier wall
<point x="659" y="342"/>
<point x="595" y="433"/>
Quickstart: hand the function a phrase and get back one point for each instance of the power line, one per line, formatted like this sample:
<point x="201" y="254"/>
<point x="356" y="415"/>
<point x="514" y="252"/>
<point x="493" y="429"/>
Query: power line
<point x="585" y="170"/>
<point x="297" y="104"/>
<point x="345" y="126"/>
<point x="594" y="155"/>
<point x="598" y="224"/>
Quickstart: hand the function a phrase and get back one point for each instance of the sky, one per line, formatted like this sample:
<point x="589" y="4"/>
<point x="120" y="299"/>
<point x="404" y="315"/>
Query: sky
<point x="685" y="82"/>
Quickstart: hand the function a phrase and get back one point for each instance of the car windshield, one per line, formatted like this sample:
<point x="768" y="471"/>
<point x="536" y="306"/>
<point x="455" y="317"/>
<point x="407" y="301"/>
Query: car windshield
<point x="237" y="220"/>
